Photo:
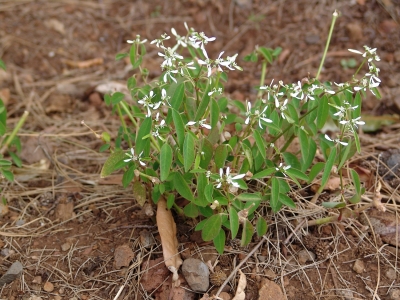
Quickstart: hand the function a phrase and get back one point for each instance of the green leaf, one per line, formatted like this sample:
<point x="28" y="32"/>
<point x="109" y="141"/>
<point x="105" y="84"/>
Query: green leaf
<point x="7" y="174"/>
<point x="312" y="150"/>
<point x="275" y="194"/>
<point x="112" y="160"/>
<point x="215" y="113"/>
<point x="182" y="187"/>
<point x="219" y="241"/>
<point x="143" y="144"/>
<point x="139" y="192"/>
<point x="188" y="151"/>
<point x="233" y="221"/>
<point x="2" y="65"/>
<point x="208" y="192"/>
<point x="285" y="200"/>
<point x="203" y="106"/>
<point x="260" y="143"/>
<point x="170" y="201"/>
<point x="345" y="155"/>
<point x="128" y="176"/>
<point x="120" y="56"/>
<point x="315" y="171"/>
<point x="264" y="173"/>
<point x="117" y="97"/>
<point x="207" y="153"/>
<point x="177" y="92"/>
<point x="201" y="185"/>
<point x="211" y="228"/>
<point x="247" y="233"/>
<point x="266" y="53"/>
<point x="292" y="172"/>
<point x="356" y="181"/>
<point x="261" y="226"/>
<point x="249" y="197"/>
<point x="304" y="142"/>
<point x="5" y="162"/>
<point x="191" y="210"/>
<point x="333" y="204"/>
<point x="179" y="127"/>
<point x="165" y="161"/>
<point x="221" y="153"/>
<point x="328" y="168"/>
<point x="16" y="159"/>
<point x="322" y="111"/>
<point x="291" y="160"/>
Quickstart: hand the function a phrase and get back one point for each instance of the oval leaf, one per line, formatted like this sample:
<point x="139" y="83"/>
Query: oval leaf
<point x="211" y="228"/>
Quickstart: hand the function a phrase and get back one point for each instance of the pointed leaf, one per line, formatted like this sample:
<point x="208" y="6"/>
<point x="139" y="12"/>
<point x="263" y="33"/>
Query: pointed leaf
<point x="247" y="233"/>
<point x="261" y="226"/>
<point x="188" y="151"/>
<point x="233" y="221"/>
<point x="211" y="228"/>
<point x="179" y="127"/>
<point x="219" y="241"/>
<point x="165" y="161"/>
<point x="182" y="187"/>
<point x="328" y="168"/>
<point x="112" y="160"/>
<point x="260" y="143"/>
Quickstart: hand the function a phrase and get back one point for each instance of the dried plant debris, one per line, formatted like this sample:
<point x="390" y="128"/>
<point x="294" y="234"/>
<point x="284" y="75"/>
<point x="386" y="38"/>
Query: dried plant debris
<point x="167" y="230"/>
<point x="217" y="278"/>
<point x="240" y="294"/>
<point x="321" y="249"/>
<point x="384" y="224"/>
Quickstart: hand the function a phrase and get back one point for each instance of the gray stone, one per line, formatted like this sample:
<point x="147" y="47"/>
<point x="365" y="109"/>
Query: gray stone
<point x="196" y="274"/>
<point x="13" y="272"/>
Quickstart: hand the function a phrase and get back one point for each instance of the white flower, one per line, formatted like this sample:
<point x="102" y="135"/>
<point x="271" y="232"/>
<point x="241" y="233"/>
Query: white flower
<point x="169" y="74"/>
<point x="169" y="56"/>
<point x="146" y="102"/>
<point x="133" y="157"/>
<point x="228" y="178"/>
<point x="248" y="113"/>
<point x="337" y="141"/>
<point x="160" y="41"/>
<point x="207" y="63"/>
<point x="201" y="124"/>
<point x="136" y="41"/>
<point x="282" y="168"/>
<point x="214" y="205"/>
<point x="179" y="39"/>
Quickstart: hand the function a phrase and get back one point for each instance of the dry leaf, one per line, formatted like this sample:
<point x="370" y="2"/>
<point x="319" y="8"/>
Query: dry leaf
<point x="240" y="295"/>
<point x="84" y="63"/>
<point x="167" y="229"/>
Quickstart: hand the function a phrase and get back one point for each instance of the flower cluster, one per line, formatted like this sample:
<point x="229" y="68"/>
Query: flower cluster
<point x="173" y="63"/>
<point x="371" y="79"/>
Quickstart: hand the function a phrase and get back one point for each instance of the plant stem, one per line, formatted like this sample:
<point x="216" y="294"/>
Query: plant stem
<point x="335" y="15"/>
<point x="14" y="132"/>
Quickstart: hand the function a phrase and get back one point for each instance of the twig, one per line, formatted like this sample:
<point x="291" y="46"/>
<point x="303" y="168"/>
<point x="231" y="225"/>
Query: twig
<point x="239" y="265"/>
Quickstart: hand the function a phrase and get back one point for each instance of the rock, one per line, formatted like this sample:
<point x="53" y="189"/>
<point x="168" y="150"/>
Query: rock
<point x="37" y="279"/>
<point x="13" y="272"/>
<point x="391" y="274"/>
<point x="65" y="247"/>
<point x="394" y="294"/>
<point x="305" y="256"/>
<point x="358" y="266"/>
<point x="48" y="287"/>
<point x="384" y="223"/>
<point x="153" y="276"/>
<point x="270" y="291"/>
<point x="123" y="256"/>
<point x="346" y="294"/>
<point x="196" y="274"/>
<point x="65" y="210"/>
<point x="225" y="296"/>
<point x="355" y="31"/>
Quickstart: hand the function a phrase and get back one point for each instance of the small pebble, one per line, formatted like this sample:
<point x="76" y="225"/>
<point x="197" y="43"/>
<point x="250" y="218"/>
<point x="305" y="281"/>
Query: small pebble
<point x="358" y="266"/>
<point x="48" y="287"/>
<point x="65" y="246"/>
<point x="391" y="274"/>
